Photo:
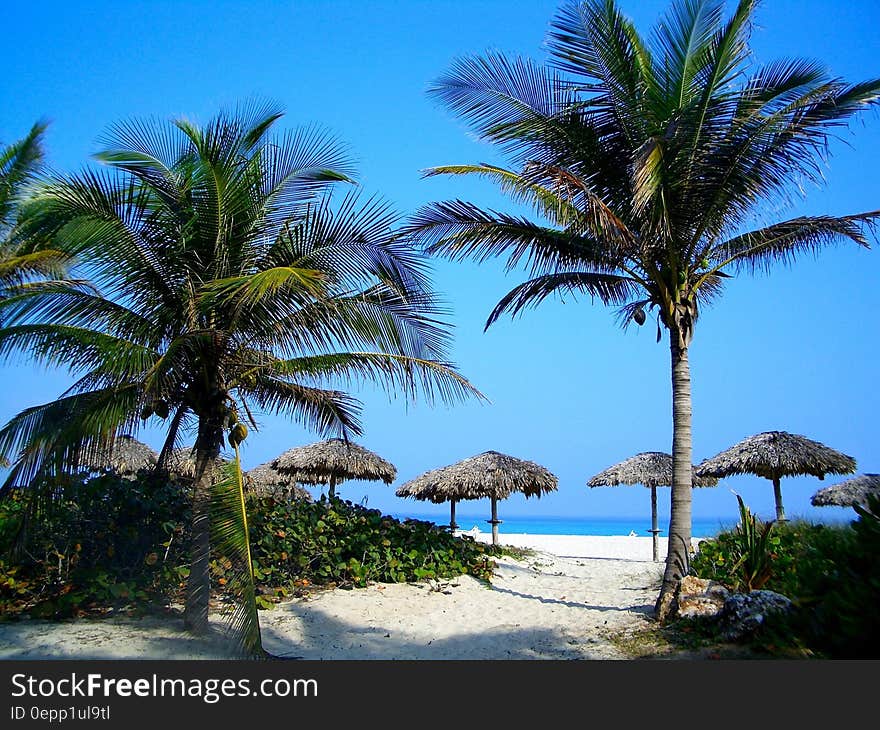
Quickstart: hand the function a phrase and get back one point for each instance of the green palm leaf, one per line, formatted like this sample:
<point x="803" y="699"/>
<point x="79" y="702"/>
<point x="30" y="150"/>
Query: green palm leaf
<point x="229" y="534"/>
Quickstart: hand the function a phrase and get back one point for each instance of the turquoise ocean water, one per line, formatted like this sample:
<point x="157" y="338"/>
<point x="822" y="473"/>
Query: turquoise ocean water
<point x="578" y="526"/>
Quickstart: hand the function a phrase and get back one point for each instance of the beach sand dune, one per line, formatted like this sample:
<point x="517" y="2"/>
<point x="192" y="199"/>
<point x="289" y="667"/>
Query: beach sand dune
<point x="551" y="605"/>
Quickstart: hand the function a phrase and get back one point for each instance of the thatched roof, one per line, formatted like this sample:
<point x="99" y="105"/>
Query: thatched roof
<point x="422" y="488"/>
<point x="776" y="454"/>
<point x="490" y="474"/>
<point x="263" y="479"/>
<point x="650" y="468"/>
<point x="127" y="456"/>
<point x="182" y="463"/>
<point x="315" y="463"/>
<point x="849" y="493"/>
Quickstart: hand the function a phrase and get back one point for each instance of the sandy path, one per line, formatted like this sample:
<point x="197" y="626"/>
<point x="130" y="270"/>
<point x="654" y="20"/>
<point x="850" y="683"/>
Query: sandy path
<point x="543" y="607"/>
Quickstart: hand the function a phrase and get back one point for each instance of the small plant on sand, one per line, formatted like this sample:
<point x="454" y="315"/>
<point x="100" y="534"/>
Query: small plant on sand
<point x="743" y="558"/>
<point x="756" y="543"/>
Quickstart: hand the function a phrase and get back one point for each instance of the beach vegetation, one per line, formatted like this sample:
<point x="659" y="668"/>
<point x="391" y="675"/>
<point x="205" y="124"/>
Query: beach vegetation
<point x="831" y="574"/>
<point x="334" y="541"/>
<point x="223" y="282"/>
<point x="650" y="170"/>
<point x="106" y="545"/>
<point x="101" y="544"/>
<point x="756" y="544"/>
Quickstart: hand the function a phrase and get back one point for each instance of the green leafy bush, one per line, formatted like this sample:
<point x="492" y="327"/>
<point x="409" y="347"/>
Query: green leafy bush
<point x="110" y="543"/>
<point x="98" y="544"/>
<point x="296" y="544"/>
<point x="845" y="620"/>
<point x="803" y="555"/>
<point x="830" y="572"/>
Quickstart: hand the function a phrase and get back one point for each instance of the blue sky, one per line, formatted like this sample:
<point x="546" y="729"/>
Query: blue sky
<point x="795" y="350"/>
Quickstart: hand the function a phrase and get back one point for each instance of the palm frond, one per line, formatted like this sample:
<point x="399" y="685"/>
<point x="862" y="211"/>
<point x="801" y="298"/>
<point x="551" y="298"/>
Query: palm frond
<point x="231" y="541"/>
<point x="20" y="268"/>
<point x="300" y="165"/>
<point x="783" y="242"/>
<point x="109" y="220"/>
<point x="74" y="303"/>
<point x="594" y="41"/>
<point x="356" y="241"/>
<point x="608" y="288"/>
<point x="19" y="163"/>
<point x="327" y="412"/>
<point x="410" y="376"/>
<point x="683" y="39"/>
<point x="58" y="436"/>
<point x="544" y="200"/>
<point x="375" y="319"/>
<point x="77" y="349"/>
<point x="460" y="230"/>
<point x="243" y="292"/>
<point x="766" y="154"/>
<point x="505" y="100"/>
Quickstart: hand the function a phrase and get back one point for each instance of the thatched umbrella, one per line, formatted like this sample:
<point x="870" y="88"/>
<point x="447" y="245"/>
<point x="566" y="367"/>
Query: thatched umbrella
<point x="126" y="456"/>
<point x="331" y="462"/>
<point x="489" y="474"/>
<point x="652" y="469"/>
<point x="424" y="491"/>
<point x="181" y="463"/>
<point x="777" y="454"/>
<point x="264" y="479"/>
<point x="849" y="493"/>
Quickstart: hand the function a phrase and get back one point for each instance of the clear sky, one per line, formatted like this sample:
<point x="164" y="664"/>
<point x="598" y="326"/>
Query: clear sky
<point x="795" y="350"/>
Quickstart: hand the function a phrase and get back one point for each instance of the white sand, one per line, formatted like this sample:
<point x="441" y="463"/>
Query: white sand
<point x="560" y="604"/>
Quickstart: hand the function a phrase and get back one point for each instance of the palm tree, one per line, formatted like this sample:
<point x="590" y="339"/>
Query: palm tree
<point x="646" y="160"/>
<point x="229" y="286"/>
<point x="21" y="265"/>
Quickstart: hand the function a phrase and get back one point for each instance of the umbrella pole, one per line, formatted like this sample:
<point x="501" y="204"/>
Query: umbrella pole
<point x="494" y="521"/>
<point x="654" y="530"/>
<point x="332" y="490"/>
<point x="777" y="492"/>
<point x="452" y="523"/>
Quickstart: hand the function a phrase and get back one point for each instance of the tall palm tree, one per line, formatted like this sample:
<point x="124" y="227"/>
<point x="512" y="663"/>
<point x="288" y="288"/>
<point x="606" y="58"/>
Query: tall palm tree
<point x="229" y="286"/>
<point x="647" y="160"/>
<point x="20" y="264"/>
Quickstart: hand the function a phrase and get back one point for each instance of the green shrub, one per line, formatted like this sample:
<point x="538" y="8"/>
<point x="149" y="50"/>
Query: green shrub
<point x="830" y="572"/>
<point x="847" y="622"/>
<point x="804" y="557"/>
<point x="110" y="543"/>
<point x="334" y="542"/>
<point x="98" y="544"/>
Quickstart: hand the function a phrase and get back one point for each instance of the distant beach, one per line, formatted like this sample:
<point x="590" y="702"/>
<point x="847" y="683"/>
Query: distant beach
<point x="601" y="526"/>
<point x="597" y="526"/>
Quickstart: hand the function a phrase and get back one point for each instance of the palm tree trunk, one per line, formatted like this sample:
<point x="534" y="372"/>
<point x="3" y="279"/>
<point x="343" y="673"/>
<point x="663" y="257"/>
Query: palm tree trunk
<point x="777" y="493"/>
<point x="678" y="552"/>
<point x="655" y="548"/>
<point x="198" y="587"/>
